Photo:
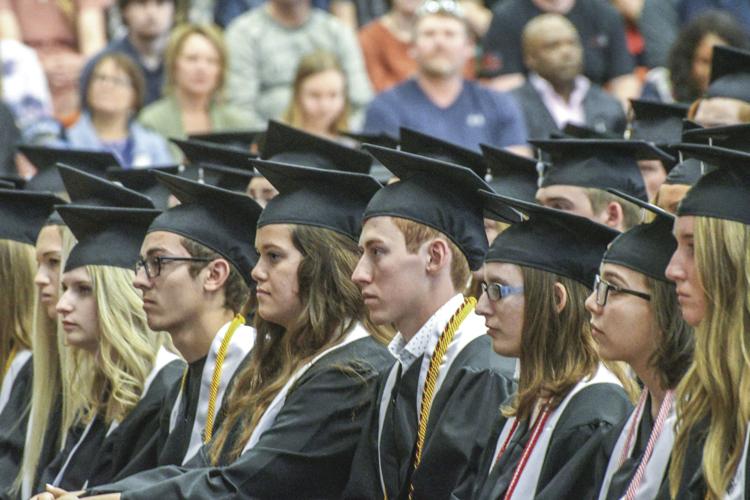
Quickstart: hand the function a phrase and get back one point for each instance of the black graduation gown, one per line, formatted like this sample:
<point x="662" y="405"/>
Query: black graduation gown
<point x="307" y="453"/>
<point x="100" y="457"/>
<point x="458" y="430"/>
<point x="571" y="454"/>
<point x="13" y="422"/>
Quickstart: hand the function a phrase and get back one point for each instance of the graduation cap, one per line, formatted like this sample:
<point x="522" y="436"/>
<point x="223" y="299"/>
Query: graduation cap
<point x="240" y="139"/>
<point x="24" y="213"/>
<point x="551" y="240"/>
<point x="573" y="131"/>
<point x="233" y="179"/>
<point x="687" y="172"/>
<point x="6" y="185"/>
<point x="418" y="143"/>
<point x="378" y="139"/>
<point x="16" y="181"/>
<point x="205" y="153"/>
<point x="87" y="189"/>
<point x="598" y="163"/>
<point x="646" y="248"/>
<point x="144" y="181"/>
<point x="46" y="158"/>
<point x="724" y="192"/>
<point x="730" y="136"/>
<point x="437" y="194"/>
<point x="730" y="73"/>
<point x="285" y="144"/>
<point x="219" y="219"/>
<point x="657" y="122"/>
<point x="317" y="197"/>
<point x="512" y="175"/>
<point x="107" y="236"/>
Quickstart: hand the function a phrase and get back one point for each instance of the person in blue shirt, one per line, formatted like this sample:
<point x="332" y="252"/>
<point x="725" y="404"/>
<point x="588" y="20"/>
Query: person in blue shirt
<point x="438" y="101"/>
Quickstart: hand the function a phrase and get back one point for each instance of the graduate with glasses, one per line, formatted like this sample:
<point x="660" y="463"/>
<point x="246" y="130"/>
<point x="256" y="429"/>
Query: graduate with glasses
<point x="537" y="275"/>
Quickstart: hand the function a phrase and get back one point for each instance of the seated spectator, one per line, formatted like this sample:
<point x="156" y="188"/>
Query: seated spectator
<point x="386" y="45"/>
<point x="556" y="93"/>
<point x="438" y="101"/>
<point x="265" y="46"/>
<point x="114" y="94"/>
<point x="686" y="76"/>
<point x="607" y="61"/>
<point x="148" y="23"/>
<point x="63" y="34"/>
<point x="193" y="102"/>
<point x="319" y="102"/>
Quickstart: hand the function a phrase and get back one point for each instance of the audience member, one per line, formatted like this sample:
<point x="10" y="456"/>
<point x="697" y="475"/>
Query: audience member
<point x="114" y="94"/>
<point x="63" y="34"/>
<point x="727" y="99"/>
<point x="9" y="136"/>
<point x="148" y="24"/>
<point x="686" y="76"/>
<point x="193" y="101"/>
<point x="555" y="92"/>
<point x="438" y="100"/>
<point x="606" y="58"/>
<point x="319" y="103"/>
<point x="265" y="46"/>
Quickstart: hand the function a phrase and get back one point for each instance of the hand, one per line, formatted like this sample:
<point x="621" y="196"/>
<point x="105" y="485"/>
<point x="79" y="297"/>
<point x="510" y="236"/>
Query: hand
<point x="54" y="493"/>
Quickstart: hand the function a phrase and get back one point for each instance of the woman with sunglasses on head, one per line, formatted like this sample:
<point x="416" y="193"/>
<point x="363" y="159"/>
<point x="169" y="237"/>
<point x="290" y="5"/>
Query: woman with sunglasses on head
<point x="711" y="269"/>
<point x="635" y="318"/>
<point x="537" y="275"/>
<point x="294" y="415"/>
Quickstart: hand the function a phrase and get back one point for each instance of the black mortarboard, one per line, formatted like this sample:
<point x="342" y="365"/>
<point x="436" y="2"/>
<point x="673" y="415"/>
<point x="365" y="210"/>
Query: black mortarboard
<point x="512" y="175"/>
<point x="91" y="190"/>
<point x="421" y="144"/>
<point x="45" y="158"/>
<point x="107" y="236"/>
<point x="437" y="194"/>
<point x="730" y="136"/>
<point x="285" y="144"/>
<point x="657" y="122"/>
<point x="730" y="73"/>
<point x="233" y="179"/>
<point x="724" y="192"/>
<point x="221" y="220"/>
<point x="144" y="181"/>
<point x="6" y="185"/>
<point x="687" y="172"/>
<point x="551" y="240"/>
<point x="380" y="139"/>
<point x="24" y="213"/>
<point x="317" y="197"/>
<point x="600" y="164"/>
<point x="646" y="248"/>
<point x="206" y="153"/>
<point x="240" y="139"/>
<point x="573" y="131"/>
<point x="15" y="180"/>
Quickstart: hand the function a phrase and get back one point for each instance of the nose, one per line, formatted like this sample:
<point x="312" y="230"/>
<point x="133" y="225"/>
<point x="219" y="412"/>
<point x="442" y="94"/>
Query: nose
<point x="258" y="273"/>
<point x="674" y="271"/>
<point x="484" y="308"/>
<point x="40" y="278"/>
<point x="360" y="275"/>
<point x="591" y="304"/>
<point x="63" y="305"/>
<point x="141" y="281"/>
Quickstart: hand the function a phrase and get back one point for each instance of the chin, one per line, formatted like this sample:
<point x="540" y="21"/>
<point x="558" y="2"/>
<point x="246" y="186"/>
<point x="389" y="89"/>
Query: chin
<point x="380" y="317"/>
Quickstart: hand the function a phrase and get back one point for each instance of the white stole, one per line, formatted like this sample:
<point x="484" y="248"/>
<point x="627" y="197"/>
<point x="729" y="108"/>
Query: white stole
<point x="269" y="416"/>
<point x="10" y="377"/>
<point x="241" y="343"/>
<point x="470" y="329"/>
<point x="657" y="464"/>
<point x="527" y="483"/>
<point x="736" y="490"/>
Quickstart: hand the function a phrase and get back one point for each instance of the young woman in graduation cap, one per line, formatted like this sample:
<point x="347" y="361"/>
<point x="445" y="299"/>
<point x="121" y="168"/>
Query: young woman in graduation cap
<point x="537" y="275"/>
<point x="295" y="413"/>
<point x="636" y="319"/>
<point x="102" y="316"/>
<point x="711" y="268"/>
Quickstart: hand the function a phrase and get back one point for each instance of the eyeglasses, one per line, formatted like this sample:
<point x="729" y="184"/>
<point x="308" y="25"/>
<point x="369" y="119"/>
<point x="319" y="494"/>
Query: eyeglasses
<point x="496" y="291"/>
<point x="114" y="80"/>
<point x="152" y="265"/>
<point x="451" y="7"/>
<point x="602" y="288"/>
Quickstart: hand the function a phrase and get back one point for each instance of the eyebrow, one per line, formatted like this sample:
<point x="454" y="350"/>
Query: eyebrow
<point x="612" y="275"/>
<point x="372" y="241"/>
<point x="270" y="245"/>
<point x="152" y="251"/>
<point x="496" y="279"/>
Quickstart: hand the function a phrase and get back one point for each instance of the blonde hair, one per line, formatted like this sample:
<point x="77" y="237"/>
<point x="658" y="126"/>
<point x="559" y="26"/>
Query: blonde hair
<point x="127" y="347"/>
<point x="332" y="304"/>
<point x="717" y="384"/>
<point x="310" y="65"/>
<point x="599" y="199"/>
<point x="416" y="234"/>
<point x="18" y="299"/>
<point x="177" y="40"/>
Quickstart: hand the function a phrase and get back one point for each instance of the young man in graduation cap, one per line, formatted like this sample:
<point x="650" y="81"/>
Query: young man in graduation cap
<point x="727" y="100"/>
<point x="582" y="169"/>
<point x="194" y="272"/>
<point x="421" y="238"/>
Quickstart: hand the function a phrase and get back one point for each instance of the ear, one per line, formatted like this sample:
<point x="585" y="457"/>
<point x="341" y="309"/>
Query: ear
<point x="439" y="255"/>
<point x="614" y="216"/>
<point x="561" y="297"/>
<point x="217" y="273"/>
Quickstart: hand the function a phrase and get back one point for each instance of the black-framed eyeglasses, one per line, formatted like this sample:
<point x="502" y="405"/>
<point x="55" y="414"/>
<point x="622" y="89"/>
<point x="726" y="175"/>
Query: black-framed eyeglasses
<point x="602" y="288"/>
<point x="496" y="291"/>
<point x="452" y="7"/>
<point x="152" y="265"/>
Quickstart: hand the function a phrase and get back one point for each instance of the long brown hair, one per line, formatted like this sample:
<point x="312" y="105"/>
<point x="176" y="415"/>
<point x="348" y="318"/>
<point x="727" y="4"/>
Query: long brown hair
<point x="17" y="299"/>
<point x="557" y="349"/>
<point x="332" y="304"/>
